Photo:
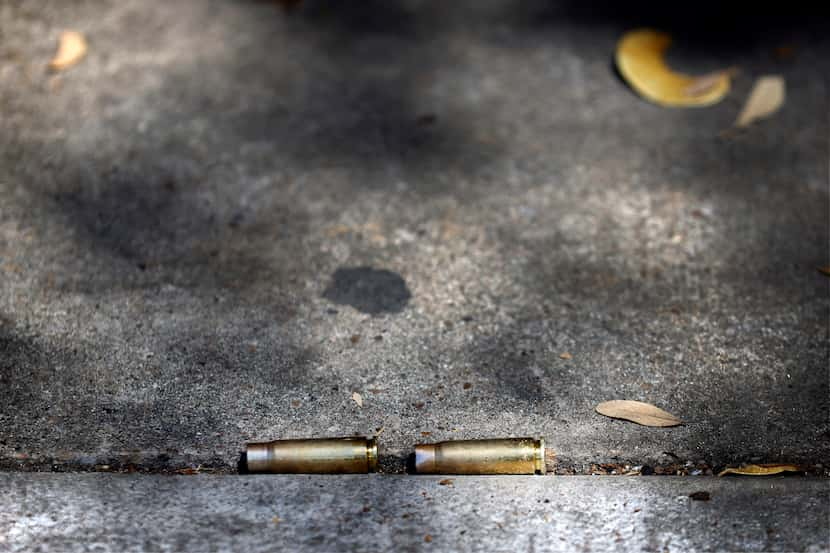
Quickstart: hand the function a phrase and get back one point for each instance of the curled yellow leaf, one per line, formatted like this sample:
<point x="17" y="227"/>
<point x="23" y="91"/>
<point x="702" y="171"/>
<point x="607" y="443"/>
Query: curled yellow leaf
<point x="637" y="411"/>
<point x="640" y="58"/>
<point x="760" y="470"/>
<point x="71" y="48"/>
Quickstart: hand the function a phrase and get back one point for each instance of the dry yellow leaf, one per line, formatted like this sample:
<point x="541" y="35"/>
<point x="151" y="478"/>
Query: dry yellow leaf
<point x="357" y="398"/>
<point x="71" y="48"/>
<point x="760" y="470"/>
<point x="640" y="58"/>
<point x="565" y="355"/>
<point x="766" y="98"/>
<point x="637" y="411"/>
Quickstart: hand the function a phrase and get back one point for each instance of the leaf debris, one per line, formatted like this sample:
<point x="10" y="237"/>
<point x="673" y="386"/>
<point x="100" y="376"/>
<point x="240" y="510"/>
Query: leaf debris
<point x="766" y="469"/>
<point x="640" y="58"/>
<point x="637" y="411"/>
<point x="71" y="48"/>
<point x="357" y="398"/>
<point x="766" y="98"/>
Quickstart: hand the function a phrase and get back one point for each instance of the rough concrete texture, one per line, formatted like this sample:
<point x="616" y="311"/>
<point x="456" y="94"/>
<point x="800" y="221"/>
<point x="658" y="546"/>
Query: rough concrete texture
<point x="103" y="512"/>
<point x="227" y="219"/>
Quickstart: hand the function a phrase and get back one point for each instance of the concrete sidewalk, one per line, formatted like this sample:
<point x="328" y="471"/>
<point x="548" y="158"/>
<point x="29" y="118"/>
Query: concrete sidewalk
<point x="122" y="513"/>
<point x="227" y="219"/>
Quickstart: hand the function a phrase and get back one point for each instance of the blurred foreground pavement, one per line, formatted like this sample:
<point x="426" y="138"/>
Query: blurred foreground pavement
<point x="110" y="512"/>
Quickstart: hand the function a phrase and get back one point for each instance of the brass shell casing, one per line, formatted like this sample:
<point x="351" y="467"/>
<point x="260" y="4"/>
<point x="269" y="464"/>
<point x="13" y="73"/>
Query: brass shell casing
<point x="501" y="456"/>
<point x="317" y="456"/>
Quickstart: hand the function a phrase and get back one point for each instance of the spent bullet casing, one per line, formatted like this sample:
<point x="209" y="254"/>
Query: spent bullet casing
<point x="315" y="456"/>
<point x="499" y="456"/>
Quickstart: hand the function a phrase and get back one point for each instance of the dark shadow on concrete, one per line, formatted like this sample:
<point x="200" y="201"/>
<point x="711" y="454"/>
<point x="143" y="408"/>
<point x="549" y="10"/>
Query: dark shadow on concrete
<point x="90" y="408"/>
<point x="357" y="19"/>
<point x="666" y="326"/>
<point x="708" y="26"/>
<point x="223" y="205"/>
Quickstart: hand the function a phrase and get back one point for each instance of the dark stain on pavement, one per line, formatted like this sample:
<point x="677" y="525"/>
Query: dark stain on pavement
<point x="368" y="290"/>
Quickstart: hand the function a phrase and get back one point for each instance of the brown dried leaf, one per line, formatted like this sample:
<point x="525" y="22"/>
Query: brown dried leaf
<point x="760" y="470"/>
<point x="71" y="48"/>
<point x="766" y="98"/>
<point x="446" y="482"/>
<point x="565" y="355"/>
<point x="825" y="270"/>
<point x="357" y="398"/>
<point x="637" y="411"/>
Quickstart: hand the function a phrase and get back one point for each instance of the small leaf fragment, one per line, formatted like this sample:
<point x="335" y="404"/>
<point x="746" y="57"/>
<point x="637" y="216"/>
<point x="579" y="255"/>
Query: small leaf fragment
<point x="705" y="83"/>
<point x="640" y="58"/>
<point x="700" y="496"/>
<point x="637" y="411"/>
<point x="766" y="98"/>
<point x="446" y="482"/>
<point x="357" y="398"/>
<point x="565" y="355"/>
<point x="825" y="270"/>
<point x="760" y="470"/>
<point x="71" y="48"/>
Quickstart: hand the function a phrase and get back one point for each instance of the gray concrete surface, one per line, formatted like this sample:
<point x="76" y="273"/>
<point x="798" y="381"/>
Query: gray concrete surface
<point x="103" y="512"/>
<point x="227" y="219"/>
